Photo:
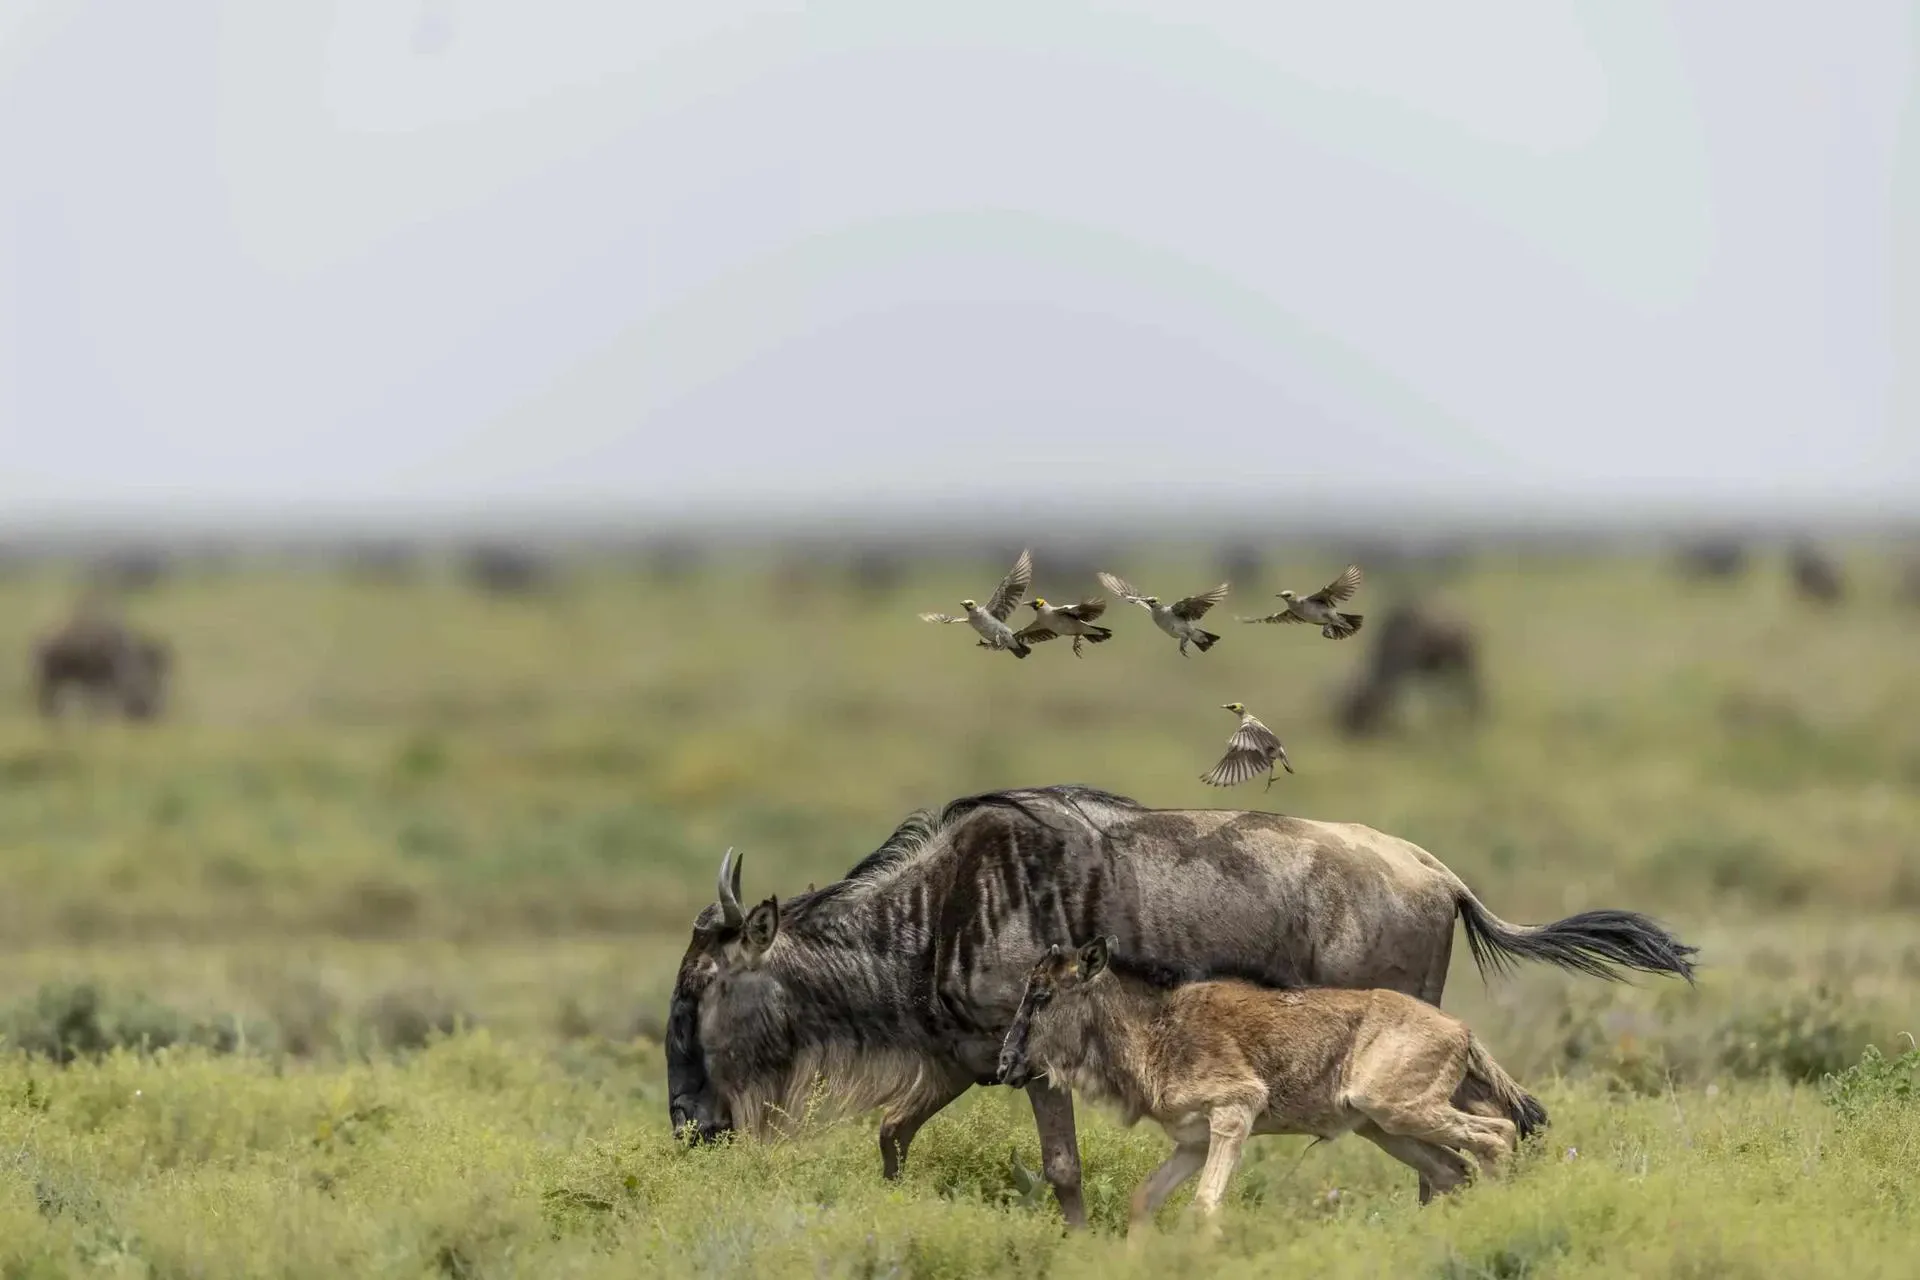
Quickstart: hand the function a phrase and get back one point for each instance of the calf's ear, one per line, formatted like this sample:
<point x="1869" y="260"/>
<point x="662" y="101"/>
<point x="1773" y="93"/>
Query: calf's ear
<point x="763" y="923"/>
<point x="1093" y="958"/>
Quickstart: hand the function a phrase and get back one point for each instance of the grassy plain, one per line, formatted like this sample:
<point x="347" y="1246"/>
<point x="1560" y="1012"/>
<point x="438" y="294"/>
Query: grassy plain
<point x="354" y="965"/>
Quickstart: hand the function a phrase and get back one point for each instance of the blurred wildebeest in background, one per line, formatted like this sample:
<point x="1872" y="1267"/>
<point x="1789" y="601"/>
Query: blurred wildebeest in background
<point x="1064" y="574"/>
<point x="387" y="561"/>
<point x="505" y="570"/>
<point x="797" y="577"/>
<point x="129" y="569"/>
<point x="1241" y="563"/>
<point x="1816" y="575"/>
<point x="1910" y="579"/>
<point x="110" y="664"/>
<point x="1412" y="641"/>
<point x="876" y="572"/>
<point x="673" y="559"/>
<point x="1712" y="558"/>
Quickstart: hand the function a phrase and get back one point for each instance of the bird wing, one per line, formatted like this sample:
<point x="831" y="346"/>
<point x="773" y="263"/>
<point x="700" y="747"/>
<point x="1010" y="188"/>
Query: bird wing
<point x="940" y="617"/>
<point x="1196" y="606"/>
<point x="1121" y="587"/>
<point x="1236" y="767"/>
<point x="1340" y="588"/>
<point x="1254" y="736"/>
<point x="1012" y="587"/>
<point x="1086" y="610"/>
<point x="1037" y="632"/>
<point x="1285" y="615"/>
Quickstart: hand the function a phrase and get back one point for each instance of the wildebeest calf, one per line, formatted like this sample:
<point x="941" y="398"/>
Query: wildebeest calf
<point x="1215" y="1060"/>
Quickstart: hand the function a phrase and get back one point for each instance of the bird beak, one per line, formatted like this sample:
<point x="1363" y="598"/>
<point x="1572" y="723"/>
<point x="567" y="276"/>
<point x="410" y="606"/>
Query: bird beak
<point x="1226" y="706"/>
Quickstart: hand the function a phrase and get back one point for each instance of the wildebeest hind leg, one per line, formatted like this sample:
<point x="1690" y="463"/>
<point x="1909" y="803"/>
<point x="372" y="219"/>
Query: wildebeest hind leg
<point x="1228" y="1128"/>
<point x="1059" y="1148"/>
<point x="1440" y="1170"/>
<point x="897" y="1131"/>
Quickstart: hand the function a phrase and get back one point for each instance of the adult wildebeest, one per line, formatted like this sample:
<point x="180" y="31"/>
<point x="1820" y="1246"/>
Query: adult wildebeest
<point x="1910" y="580"/>
<point x="508" y="570"/>
<point x="1413" y="641"/>
<point x="897" y="984"/>
<point x="107" y="661"/>
<point x="1816" y="575"/>
<point x="1713" y="558"/>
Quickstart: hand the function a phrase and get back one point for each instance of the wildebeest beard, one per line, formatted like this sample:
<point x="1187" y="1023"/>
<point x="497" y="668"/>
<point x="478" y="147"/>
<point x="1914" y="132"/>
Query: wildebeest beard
<point x="825" y="1024"/>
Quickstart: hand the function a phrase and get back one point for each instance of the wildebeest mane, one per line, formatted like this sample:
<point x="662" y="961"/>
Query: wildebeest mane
<point x="922" y="825"/>
<point x="1073" y="795"/>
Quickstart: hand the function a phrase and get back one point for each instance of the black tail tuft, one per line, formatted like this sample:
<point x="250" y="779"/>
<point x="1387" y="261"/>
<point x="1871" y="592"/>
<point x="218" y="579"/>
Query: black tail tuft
<point x="1529" y="1116"/>
<point x="1487" y="1082"/>
<point x="1596" y="943"/>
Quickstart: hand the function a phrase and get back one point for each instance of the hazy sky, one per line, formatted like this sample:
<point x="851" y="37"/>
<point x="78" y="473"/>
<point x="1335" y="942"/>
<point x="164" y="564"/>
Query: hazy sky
<point x="685" y="253"/>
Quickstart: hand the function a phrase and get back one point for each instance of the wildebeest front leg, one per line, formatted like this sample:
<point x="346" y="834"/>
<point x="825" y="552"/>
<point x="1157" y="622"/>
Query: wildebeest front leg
<point x="1163" y="1182"/>
<point x="896" y="1132"/>
<point x="1059" y="1148"/>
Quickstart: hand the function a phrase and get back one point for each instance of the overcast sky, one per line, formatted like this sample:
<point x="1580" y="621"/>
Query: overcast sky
<point x="703" y="254"/>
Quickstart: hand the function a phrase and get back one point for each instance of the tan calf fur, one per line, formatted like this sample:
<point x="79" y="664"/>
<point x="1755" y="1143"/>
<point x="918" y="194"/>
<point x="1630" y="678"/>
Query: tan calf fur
<point x="1215" y="1061"/>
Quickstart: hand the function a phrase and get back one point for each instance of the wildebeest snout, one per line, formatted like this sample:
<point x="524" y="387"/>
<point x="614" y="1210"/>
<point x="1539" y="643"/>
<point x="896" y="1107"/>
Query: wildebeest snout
<point x="695" y="1122"/>
<point x="1013" y="1070"/>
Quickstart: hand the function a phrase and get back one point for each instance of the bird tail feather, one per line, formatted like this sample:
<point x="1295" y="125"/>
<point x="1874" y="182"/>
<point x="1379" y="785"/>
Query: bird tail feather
<point x="1203" y="640"/>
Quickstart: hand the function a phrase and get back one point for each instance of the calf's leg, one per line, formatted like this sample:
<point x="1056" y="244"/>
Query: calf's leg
<point x="1429" y="1115"/>
<point x="1228" y="1128"/>
<point x="1430" y="990"/>
<point x="1164" y="1181"/>
<point x="1440" y="1170"/>
<point x="1059" y="1149"/>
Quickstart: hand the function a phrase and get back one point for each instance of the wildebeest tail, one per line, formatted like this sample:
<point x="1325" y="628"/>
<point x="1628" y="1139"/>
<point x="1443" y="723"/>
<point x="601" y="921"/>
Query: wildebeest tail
<point x="1487" y="1080"/>
<point x="1597" y="943"/>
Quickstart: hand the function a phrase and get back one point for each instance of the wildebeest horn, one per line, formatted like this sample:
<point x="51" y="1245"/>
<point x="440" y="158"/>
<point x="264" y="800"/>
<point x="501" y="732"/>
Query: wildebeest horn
<point x="730" y="891"/>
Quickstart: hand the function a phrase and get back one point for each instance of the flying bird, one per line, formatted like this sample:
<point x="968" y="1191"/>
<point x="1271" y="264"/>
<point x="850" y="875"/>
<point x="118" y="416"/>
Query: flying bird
<point x="1179" y="619"/>
<point x="991" y="622"/>
<point x="1252" y="749"/>
<point x="1318" y="608"/>
<point x="1076" y="620"/>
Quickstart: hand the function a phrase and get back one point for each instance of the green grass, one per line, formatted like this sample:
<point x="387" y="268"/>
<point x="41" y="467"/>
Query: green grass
<point x="356" y="965"/>
<point x="477" y="1157"/>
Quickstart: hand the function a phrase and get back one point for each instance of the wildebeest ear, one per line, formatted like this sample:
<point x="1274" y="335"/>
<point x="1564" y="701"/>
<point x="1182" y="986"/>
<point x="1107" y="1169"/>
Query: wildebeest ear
<point x="1093" y="958"/>
<point x="763" y="922"/>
